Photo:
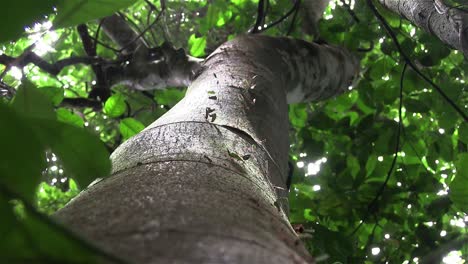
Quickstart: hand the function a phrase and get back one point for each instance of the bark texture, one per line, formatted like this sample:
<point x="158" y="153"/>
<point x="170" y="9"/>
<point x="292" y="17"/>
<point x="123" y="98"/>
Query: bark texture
<point x="447" y="23"/>
<point x="206" y="182"/>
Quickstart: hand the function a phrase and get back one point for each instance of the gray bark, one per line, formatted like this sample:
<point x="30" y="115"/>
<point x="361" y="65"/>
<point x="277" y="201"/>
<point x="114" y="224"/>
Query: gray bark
<point x="448" y="24"/>
<point x="205" y="183"/>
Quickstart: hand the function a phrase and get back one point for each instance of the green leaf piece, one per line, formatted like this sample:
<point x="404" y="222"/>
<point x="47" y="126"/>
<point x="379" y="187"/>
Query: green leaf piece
<point x="353" y="165"/>
<point x="55" y="94"/>
<point x="22" y="13"/>
<point x="197" y="45"/>
<point x="18" y="146"/>
<point x="129" y="127"/>
<point x="31" y="102"/>
<point x="82" y="153"/>
<point x="74" y="12"/>
<point x="459" y="186"/>
<point x="67" y="116"/>
<point x="463" y="132"/>
<point x="115" y="105"/>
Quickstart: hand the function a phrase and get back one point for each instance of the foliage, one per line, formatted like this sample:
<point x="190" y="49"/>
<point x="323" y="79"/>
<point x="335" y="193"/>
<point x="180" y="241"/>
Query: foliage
<point x="342" y="148"/>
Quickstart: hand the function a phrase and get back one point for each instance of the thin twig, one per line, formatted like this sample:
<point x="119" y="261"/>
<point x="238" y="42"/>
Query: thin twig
<point x="410" y="62"/>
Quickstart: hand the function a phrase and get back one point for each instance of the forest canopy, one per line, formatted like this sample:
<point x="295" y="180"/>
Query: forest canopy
<point x="380" y="174"/>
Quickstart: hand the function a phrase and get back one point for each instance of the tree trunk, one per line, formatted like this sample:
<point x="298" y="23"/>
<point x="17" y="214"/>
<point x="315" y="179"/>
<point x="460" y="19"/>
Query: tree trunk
<point x="206" y="182"/>
<point x="447" y="23"/>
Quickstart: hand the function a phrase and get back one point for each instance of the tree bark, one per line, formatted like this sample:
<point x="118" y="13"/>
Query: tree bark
<point x="447" y="23"/>
<point x="206" y="183"/>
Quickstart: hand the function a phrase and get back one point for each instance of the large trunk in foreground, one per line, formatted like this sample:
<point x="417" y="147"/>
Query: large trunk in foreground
<point x="206" y="182"/>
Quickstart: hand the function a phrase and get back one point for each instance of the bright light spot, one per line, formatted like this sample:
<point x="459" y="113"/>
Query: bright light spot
<point x="403" y="238"/>
<point x="300" y="164"/>
<point x="350" y="87"/>
<point x="442" y="192"/>
<point x="54" y="180"/>
<point x="429" y="224"/>
<point x="314" y="167"/>
<point x="16" y="73"/>
<point x="443" y="233"/>
<point x="316" y="188"/>
<point x="328" y="17"/>
<point x="436" y="161"/>
<point x="415" y="260"/>
<point x="302" y="155"/>
<point x="453" y="257"/>
<point x="324" y="160"/>
<point x="53" y="168"/>
<point x="60" y="171"/>
<point x="97" y="128"/>
<point x="86" y="124"/>
<point x="380" y="158"/>
<point x="63" y="179"/>
<point x="412" y="32"/>
<point x="161" y="106"/>
<point x="381" y="40"/>
<point x="444" y="176"/>
<point x="387" y="236"/>
<point x="398" y="184"/>
<point x="458" y="222"/>
<point x="93" y="82"/>
<point x="409" y="206"/>
<point x="386" y="78"/>
<point x="405" y="262"/>
<point x="441" y="130"/>
<point x="425" y="90"/>
<point x="402" y="154"/>
<point x="466" y="218"/>
<point x="375" y="251"/>
<point x="54" y="158"/>
<point x="104" y="117"/>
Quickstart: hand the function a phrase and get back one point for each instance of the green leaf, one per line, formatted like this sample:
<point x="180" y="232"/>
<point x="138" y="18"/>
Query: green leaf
<point x="82" y="153"/>
<point x="55" y="94"/>
<point x="463" y="133"/>
<point x="67" y="116"/>
<point x="115" y="105"/>
<point x="31" y="102"/>
<point x="298" y="115"/>
<point x="197" y="45"/>
<point x="129" y="127"/>
<point x="370" y="164"/>
<point x="169" y="97"/>
<point x="74" y="12"/>
<point x="22" y="157"/>
<point x="459" y="186"/>
<point x="353" y="165"/>
<point x="21" y="13"/>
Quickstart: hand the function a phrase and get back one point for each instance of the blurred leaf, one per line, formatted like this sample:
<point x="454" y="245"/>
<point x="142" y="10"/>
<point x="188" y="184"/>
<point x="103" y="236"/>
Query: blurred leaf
<point x="115" y="105"/>
<point x="82" y="154"/>
<point x="463" y="132"/>
<point x="67" y="116"/>
<point x="169" y="97"/>
<point x="22" y="156"/>
<point x="20" y="14"/>
<point x="30" y="102"/>
<point x="197" y="45"/>
<point x="353" y="165"/>
<point x="130" y="127"/>
<point x="298" y="115"/>
<point x="55" y="94"/>
<point x="74" y="12"/>
<point x="459" y="186"/>
<point x="370" y="164"/>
